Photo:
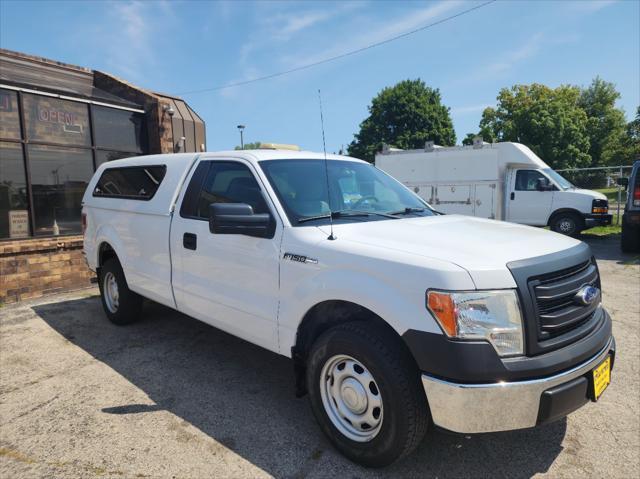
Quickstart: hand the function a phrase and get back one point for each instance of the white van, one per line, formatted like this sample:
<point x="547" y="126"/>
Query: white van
<point x="504" y="181"/>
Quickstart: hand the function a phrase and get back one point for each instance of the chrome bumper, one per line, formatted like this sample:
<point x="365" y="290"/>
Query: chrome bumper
<point x="476" y="408"/>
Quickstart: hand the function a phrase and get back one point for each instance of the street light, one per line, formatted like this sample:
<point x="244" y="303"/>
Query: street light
<point x="241" y="128"/>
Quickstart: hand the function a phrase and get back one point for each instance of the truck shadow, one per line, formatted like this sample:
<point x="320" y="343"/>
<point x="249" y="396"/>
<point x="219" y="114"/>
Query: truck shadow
<point x="242" y="396"/>
<point x="608" y="248"/>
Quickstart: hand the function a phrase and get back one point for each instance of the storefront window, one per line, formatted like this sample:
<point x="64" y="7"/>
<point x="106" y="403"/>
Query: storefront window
<point x="59" y="177"/>
<point x="60" y="140"/>
<point x="118" y="129"/>
<point x="50" y="120"/>
<point x="14" y="216"/>
<point x="9" y="115"/>
<point x="105" y="155"/>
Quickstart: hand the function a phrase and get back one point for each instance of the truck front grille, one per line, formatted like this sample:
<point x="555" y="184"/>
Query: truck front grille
<point x="558" y="311"/>
<point x="547" y="287"/>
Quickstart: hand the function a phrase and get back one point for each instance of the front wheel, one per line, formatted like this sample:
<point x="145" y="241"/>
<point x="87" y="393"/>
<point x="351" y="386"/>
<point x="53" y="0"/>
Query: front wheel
<point x="569" y="224"/>
<point x="366" y="394"/>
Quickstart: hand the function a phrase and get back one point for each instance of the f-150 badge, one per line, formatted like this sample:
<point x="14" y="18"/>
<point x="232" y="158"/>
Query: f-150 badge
<point x="298" y="258"/>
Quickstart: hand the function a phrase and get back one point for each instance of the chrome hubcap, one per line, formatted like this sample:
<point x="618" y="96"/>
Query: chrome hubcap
<point x="351" y="398"/>
<point x="110" y="292"/>
<point x="566" y="226"/>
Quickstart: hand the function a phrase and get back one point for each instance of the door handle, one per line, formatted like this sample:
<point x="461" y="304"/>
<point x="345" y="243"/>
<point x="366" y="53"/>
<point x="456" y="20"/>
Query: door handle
<point x="513" y="195"/>
<point x="190" y="241"/>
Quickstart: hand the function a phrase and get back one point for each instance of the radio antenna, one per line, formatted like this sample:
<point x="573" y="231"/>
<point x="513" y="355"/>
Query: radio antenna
<point x="326" y="168"/>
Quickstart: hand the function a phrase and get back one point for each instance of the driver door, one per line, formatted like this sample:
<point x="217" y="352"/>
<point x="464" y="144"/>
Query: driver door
<point x="227" y="280"/>
<point x="526" y="204"/>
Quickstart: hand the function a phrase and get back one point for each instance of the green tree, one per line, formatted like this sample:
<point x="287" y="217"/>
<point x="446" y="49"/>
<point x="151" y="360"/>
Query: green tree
<point x="630" y="149"/>
<point x="404" y="116"/>
<point x="606" y="124"/>
<point x="249" y="146"/>
<point x="549" y="121"/>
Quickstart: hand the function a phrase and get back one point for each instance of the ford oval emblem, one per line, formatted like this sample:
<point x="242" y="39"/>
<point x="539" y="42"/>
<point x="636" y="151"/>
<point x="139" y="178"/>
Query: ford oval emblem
<point x="587" y="295"/>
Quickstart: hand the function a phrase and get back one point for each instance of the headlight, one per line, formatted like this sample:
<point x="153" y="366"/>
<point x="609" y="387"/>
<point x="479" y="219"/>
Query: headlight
<point x="493" y="316"/>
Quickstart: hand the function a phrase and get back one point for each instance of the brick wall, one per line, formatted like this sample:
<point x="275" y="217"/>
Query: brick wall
<point x="33" y="268"/>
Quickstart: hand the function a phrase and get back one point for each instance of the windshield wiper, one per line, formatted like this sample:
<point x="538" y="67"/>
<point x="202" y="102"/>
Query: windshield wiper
<point x="407" y="211"/>
<point x="346" y="214"/>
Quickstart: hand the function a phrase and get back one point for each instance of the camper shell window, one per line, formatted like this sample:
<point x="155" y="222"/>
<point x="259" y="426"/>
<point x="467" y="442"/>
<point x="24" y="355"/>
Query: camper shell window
<point x="130" y="182"/>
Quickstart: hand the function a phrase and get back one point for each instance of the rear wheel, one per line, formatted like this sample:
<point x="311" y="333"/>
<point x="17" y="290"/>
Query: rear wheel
<point x="366" y="394"/>
<point x="569" y="224"/>
<point x="121" y="305"/>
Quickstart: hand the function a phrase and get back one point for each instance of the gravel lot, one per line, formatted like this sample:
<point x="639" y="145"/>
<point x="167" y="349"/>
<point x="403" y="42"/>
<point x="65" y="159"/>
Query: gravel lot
<point x="172" y="397"/>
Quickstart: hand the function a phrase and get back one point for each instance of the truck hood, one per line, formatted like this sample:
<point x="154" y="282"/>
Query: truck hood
<point x="590" y="193"/>
<point x="482" y="247"/>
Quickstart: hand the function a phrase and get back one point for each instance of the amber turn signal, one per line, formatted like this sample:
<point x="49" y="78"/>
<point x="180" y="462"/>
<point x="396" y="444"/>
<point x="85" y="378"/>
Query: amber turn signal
<point x="444" y="310"/>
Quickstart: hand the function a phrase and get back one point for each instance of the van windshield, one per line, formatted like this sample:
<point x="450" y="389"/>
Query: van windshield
<point x="359" y="192"/>
<point x="563" y="183"/>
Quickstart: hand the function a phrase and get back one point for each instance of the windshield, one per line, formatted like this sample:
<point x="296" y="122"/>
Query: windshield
<point x="301" y="186"/>
<point x="557" y="177"/>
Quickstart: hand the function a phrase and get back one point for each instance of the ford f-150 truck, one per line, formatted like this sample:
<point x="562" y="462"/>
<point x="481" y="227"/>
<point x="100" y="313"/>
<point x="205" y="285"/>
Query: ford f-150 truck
<point x="396" y="317"/>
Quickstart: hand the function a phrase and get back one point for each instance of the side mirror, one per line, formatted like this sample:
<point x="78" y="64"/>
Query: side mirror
<point x="239" y="219"/>
<point x="542" y="184"/>
<point x="622" y="181"/>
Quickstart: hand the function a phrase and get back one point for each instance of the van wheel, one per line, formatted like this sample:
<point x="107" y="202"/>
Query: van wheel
<point x="366" y="394"/>
<point x="569" y="224"/>
<point x="630" y="240"/>
<point x="121" y="305"/>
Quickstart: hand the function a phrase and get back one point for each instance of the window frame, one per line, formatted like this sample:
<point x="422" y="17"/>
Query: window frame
<point x="30" y="135"/>
<point x="21" y="149"/>
<point x="94" y="142"/>
<point x="528" y="170"/>
<point x="291" y="216"/>
<point x="25" y="142"/>
<point x="192" y="193"/>
<point x="130" y="197"/>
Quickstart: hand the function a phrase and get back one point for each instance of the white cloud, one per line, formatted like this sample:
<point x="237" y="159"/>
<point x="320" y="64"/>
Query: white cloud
<point x="509" y="59"/>
<point x="128" y="37"/>
<point x="469" y="109"/>
<point x="278" y="28"/>
<point x="377" y="33"/>
<point x="590" y="6"/>
<point x="292" y="24"/>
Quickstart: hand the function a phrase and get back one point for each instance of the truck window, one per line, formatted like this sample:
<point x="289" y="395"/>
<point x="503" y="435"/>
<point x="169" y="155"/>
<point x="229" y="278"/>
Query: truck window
<point x="225" y="182"/>
<point x="301" y="186"/>
<point x="527" y="180"/>
<point x="130" y="182"/>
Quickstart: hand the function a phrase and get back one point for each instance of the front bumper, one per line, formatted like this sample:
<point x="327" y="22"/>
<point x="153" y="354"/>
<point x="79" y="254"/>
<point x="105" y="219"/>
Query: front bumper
<point x="503" y="406"/>
<point x="592" y="220"/>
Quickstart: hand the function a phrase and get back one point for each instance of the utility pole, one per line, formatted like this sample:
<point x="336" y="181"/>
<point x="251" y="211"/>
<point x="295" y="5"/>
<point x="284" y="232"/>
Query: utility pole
<point x="241" y="129"/>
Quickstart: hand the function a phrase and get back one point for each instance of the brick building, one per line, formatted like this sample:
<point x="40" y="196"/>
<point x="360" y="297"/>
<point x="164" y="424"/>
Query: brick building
<point x="58" y="123"/>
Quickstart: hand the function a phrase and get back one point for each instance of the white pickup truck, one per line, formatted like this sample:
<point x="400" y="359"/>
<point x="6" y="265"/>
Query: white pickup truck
<point x="396" y="317"/>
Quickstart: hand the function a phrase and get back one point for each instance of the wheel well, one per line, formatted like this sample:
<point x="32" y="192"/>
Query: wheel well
<point x="319" y="319"/>
<point x="556" y="213"/>
<point x="105" y="252"/>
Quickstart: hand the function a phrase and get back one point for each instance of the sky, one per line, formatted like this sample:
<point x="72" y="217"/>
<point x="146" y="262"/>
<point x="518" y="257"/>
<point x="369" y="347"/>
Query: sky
<point x="180" y="47"/>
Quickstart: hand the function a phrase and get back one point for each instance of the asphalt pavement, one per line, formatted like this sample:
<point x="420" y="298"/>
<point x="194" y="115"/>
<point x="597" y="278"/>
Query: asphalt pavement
<point x="170" y="397"/>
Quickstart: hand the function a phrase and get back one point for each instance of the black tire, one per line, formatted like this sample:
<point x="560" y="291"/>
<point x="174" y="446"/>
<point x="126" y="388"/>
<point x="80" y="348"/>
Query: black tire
<point x="570" y="224"/>
<point x="129" y="304"/>
<point x="630" y="239"/>
<point x="405" y="413"/>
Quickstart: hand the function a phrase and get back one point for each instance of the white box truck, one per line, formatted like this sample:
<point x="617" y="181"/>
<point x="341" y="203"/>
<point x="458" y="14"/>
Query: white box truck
<point x="504" y="181"/>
